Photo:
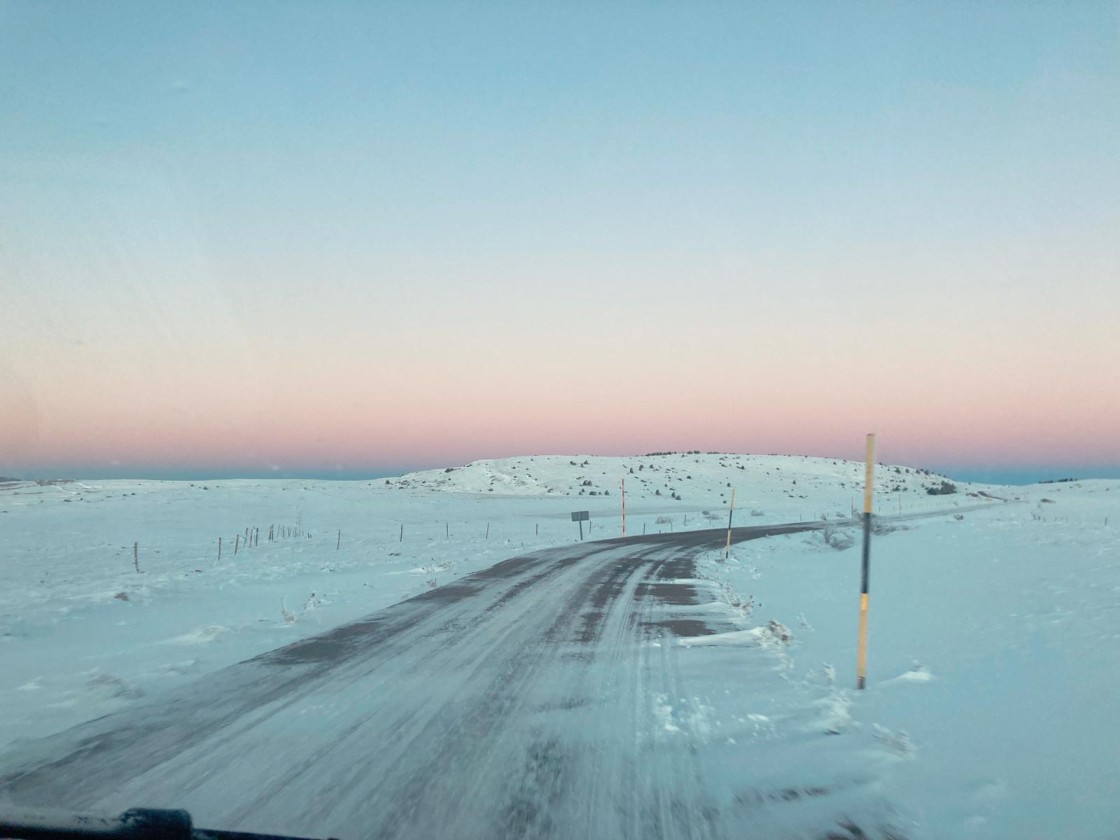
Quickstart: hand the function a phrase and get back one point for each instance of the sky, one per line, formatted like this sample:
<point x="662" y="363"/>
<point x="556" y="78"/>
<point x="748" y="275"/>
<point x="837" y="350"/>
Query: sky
<point x="347" y="239"/>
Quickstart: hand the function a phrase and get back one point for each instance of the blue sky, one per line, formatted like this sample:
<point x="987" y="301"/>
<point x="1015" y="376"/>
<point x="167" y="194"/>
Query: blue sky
<point x="416" y="216"/>
<point x="814" y="110"/>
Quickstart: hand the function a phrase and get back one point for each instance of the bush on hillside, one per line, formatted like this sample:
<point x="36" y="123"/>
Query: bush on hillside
<point x="946" y="488"/>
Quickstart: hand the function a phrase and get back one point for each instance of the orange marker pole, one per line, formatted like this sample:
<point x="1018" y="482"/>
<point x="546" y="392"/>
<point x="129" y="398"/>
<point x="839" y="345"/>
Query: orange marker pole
<point x="864" y="594"/>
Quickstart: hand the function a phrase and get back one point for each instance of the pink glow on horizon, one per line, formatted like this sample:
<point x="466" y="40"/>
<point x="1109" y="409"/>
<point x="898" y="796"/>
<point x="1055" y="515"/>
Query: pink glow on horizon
<point x="431" y="429"/>
<point x="936" y="385"/>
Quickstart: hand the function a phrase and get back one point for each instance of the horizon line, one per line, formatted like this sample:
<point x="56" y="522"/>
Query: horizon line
<point x="974" y="473"/>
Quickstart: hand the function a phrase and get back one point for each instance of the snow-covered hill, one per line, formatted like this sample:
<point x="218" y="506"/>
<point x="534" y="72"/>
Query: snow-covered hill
<point x="694" y="477"/>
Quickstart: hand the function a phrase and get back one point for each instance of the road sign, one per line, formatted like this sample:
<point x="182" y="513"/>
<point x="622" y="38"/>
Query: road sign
<point x="581" y="516"/>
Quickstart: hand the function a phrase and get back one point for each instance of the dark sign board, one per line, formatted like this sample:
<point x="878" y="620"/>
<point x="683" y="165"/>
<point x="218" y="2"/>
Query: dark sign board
<point x="580" y="515"/>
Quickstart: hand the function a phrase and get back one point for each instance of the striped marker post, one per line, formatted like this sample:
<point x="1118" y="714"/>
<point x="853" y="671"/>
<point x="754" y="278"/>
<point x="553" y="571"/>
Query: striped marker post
<point x="864" y="596"/>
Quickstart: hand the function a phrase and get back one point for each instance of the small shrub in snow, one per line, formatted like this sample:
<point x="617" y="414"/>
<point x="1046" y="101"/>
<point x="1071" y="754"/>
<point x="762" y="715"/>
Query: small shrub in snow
<point x="289" y="617"/>
<point x="835" y="538"/>
<point x="881" y="526"/>
<point x="898" y="743"/>
<point x="779" y="631"/>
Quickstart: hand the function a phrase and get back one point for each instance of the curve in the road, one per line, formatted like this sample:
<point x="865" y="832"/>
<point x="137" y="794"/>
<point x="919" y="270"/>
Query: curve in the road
<point x="547" y="696"/>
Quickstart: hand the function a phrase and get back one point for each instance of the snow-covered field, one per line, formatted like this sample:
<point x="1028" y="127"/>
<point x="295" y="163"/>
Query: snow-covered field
<point x="995" y="624"/>
<point x="994" y="656"/>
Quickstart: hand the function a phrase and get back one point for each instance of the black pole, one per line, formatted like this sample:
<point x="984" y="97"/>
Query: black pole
<point x="865" y="578"/>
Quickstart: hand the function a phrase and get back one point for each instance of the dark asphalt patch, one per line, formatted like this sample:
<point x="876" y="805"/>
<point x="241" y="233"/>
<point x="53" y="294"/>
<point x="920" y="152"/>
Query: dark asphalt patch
<point x="684" y="627"/>
<point x="674" y="594"/>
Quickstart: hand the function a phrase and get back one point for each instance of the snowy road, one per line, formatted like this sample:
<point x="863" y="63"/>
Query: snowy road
<point x="547" y="696"/>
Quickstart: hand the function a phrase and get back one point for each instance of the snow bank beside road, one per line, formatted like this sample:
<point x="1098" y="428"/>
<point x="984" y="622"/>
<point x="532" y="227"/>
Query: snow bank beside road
<point x="993" y="656"/>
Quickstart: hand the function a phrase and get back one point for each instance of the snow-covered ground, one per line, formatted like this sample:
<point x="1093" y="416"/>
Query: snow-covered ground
<point x="994" y="626"/>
